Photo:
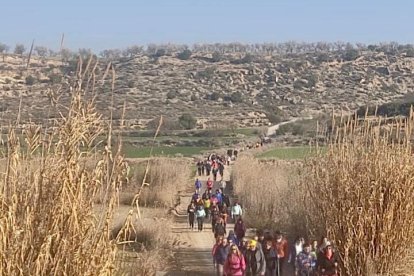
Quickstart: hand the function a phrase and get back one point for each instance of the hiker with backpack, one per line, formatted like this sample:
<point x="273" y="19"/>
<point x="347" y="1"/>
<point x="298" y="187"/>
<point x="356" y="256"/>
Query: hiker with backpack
<point x="198" y="185"/>
<point x="255" y="260"/>
<point x="281" y="246"/>
<point x="240" y="229"/>
<point x="305" y="262"/>
<point x="215" y="215"/>
<point x="209" y="184"/>
<point x="271" y="258"/>
<point x="191" y="214"/>
<point x="220" y="257"/>
<point x="327" y="263"/>
<point x="235" y="264"/>
<point x="200" y="214"/>
<point x="219" y="229"/>
<point x="199" y="167"/>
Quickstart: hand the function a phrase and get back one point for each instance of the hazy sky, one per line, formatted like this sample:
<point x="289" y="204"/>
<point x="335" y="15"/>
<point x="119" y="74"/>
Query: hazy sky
<point x="102" y="24"/>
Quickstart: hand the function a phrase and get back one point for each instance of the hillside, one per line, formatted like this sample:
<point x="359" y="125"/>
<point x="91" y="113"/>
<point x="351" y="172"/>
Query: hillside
<point x="237" y="88"/>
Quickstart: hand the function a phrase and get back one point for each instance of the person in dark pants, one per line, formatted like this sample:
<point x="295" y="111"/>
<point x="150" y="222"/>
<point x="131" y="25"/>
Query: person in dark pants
<point x="200" y="214"/>
<point x="191" y="215"/>
<point x="271" y="258"/>
<point x="255" y="260"/>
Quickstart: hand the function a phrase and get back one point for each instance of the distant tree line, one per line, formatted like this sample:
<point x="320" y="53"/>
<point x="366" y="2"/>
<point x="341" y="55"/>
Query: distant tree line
<point x="183" y="51"/>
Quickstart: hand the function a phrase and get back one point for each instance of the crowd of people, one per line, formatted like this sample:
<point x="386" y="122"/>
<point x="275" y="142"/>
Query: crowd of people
<point x="266" y="253"/>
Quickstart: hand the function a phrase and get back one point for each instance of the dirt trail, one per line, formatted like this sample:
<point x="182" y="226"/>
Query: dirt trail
<point x="194" y="256"/>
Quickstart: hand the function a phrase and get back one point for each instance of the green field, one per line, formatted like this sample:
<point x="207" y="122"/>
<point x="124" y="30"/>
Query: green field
<point x="143" y="152"/>
<point x="287" y="153"/>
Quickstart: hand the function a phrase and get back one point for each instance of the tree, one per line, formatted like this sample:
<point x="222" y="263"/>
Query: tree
<point x="160" y="52"/>
<point x="111" y="54"/>
<point x="66" y="54"/>
<point x="185" y="55"/>
<point x="187" y="121"/>
<point x="3" y="49"/>
<point x="41" y="51"/>
<point x="216" y="57"/>
<point x="133" y="51"/>
<point x="19" y="49"/>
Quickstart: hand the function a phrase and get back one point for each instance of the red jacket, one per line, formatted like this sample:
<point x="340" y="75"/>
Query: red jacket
<point x="281" y="248"/>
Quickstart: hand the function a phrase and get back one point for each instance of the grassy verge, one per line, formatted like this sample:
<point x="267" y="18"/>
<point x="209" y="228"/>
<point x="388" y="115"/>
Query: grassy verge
<point x="287" y="153"/>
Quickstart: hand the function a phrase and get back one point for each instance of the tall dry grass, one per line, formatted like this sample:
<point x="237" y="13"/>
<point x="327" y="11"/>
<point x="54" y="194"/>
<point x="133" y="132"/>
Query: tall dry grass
<point x="268" y="194"/>
<point x="361" y="194"/>
<point x="164" y="179"/>
<point x="47" y="222"/>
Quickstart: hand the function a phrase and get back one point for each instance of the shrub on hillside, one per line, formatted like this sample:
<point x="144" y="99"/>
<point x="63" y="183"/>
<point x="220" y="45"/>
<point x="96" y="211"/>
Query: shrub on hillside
<point x="187" y="121"/>
<point x="30" y="80"/>
<point x="185" y="55"/>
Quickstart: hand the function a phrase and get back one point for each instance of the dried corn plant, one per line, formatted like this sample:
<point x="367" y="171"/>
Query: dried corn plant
<point x="270" y="188"/>
<point x="361" y="194"/>
<point x="47" y="223"/>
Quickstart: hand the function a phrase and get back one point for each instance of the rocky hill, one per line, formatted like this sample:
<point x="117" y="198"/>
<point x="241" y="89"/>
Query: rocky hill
<point x="237" y="88"/>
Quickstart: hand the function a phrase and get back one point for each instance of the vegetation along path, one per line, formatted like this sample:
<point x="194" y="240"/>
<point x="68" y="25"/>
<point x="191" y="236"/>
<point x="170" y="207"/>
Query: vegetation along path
<point x="194" y="256"/>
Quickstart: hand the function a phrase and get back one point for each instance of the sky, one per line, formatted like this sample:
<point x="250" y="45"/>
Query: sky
<point x="102" y="24"/>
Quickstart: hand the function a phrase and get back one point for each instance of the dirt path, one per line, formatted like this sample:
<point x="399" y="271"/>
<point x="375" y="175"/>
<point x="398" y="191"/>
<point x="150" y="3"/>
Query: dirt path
<point x="272" y="129"/>
<point x="194" y="256"/>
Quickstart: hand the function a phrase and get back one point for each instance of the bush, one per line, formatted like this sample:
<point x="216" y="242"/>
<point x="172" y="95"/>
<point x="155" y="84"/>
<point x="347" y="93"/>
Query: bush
<point x="171" y="95"/>
<point x="185" y="55"/>
<point x="217" y="57"/>
<point x="30" y="80"/>
<point x="55" y="78"/>
<point x="187" y="121"/>
<point x="215" y="96"/>
<point x="350" y="54"/>
<point x="160" y="53"/>
<point x="131" y="84"/>
<point x="236" y="97"/>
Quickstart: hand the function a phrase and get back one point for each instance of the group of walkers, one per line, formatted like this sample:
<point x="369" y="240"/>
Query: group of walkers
<point x="266" y="253"/>
<point x="213" y="164"/>
<point x="271" y="255"/>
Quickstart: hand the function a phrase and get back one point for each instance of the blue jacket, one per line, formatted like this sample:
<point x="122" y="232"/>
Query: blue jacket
<point x="221" y="254"/>
<point x="198" y="184"/>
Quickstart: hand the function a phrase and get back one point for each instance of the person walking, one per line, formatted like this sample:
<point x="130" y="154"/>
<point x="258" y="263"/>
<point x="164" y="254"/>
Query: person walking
<point x="215" y="215"/>
<point x="219" y="229"/>
<point x="271" y="258"/>
<point x="209" y="184"/>
<point x="199" y="167"/>
<point x="220" y="257"/>
<point x="191" y="214"/>
<point x="282" y="249"/>
<point x="327" y="263"/>
<point x="240" y="229"/>
<point x="236" y="211"/>
<point x="207" y="204"/>
<point x="295" y="250"/>
<point x="235" y="264"/>
<point x="223" y="185"/>
<point x="200" y="214"/>
<point x="198" y="185"/>
<point x="219" y="241"/>
<point x="255" y="260"/>
<point x="305" y="262"/>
